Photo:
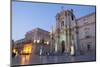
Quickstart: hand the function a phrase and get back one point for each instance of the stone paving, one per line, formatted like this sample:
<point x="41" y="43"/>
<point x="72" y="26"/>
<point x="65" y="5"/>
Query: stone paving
<point x="34" y="59"/>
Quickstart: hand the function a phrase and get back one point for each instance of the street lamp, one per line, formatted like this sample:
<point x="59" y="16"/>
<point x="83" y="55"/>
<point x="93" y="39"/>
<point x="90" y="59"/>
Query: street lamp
<point x="38" y="41"/>
<point x="34" y="41"/>
<point x="47" y="42"/>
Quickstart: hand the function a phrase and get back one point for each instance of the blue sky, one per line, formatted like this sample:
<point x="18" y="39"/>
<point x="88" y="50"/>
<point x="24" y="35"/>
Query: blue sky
<point x="27" y="16"/>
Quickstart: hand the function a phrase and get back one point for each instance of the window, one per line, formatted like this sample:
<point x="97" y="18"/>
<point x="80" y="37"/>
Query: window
<point x="85" y="20"/>
<point x="62" y="23"/>
<point x="85" y="23"/>
<point x="88" y="46"/>
<point x="72" y="16"/>
<point x="87" y="34"/>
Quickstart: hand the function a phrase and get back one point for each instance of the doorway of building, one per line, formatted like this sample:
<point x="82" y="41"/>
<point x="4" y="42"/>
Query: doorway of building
<point x="63" y="46"/>
<point x="88" y="47"/>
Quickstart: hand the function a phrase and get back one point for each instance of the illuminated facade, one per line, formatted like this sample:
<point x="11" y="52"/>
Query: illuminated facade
<point x="40" y="39"/>
<point x="35" y="42"/>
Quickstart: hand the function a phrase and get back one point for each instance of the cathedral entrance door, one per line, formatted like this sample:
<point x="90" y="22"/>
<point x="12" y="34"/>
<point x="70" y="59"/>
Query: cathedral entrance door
<point x="63" y="46"/>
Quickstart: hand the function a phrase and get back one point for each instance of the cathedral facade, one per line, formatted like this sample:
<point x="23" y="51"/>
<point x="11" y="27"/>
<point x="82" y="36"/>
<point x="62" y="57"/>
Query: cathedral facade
<point x="65" y="34"/>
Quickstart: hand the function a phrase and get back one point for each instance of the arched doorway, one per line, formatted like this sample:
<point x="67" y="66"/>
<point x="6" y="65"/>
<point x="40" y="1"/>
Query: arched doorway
<point x="63" y="46"/>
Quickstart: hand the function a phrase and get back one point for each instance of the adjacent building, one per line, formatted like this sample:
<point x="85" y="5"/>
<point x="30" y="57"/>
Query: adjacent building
<point x="36" y="39"/>
<point x="38" y="34"/>
<point x="40" y="39"/>
<point x="87" y="33"/>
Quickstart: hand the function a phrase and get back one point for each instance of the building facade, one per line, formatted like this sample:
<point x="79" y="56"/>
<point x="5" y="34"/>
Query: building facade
<point x="65" y="36"/>
<point x="71" y="35"/>
<point x="40" y="39"/>
<point x="36" y="40"/>
<point x="87" y="30"/>
<point x="38" y="34"/>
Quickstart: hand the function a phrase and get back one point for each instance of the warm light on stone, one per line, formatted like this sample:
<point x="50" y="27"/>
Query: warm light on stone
<point x="27" y="48"/>
<point x="72" y="50"/>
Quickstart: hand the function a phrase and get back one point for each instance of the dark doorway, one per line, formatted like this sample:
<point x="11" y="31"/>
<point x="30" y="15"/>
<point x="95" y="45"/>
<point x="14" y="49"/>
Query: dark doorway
<point x="63" y="46"/>
<point x="88" y="47"/>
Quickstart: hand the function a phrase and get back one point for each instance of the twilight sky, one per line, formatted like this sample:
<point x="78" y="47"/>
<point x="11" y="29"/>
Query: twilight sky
<point x="29" y="15"/>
